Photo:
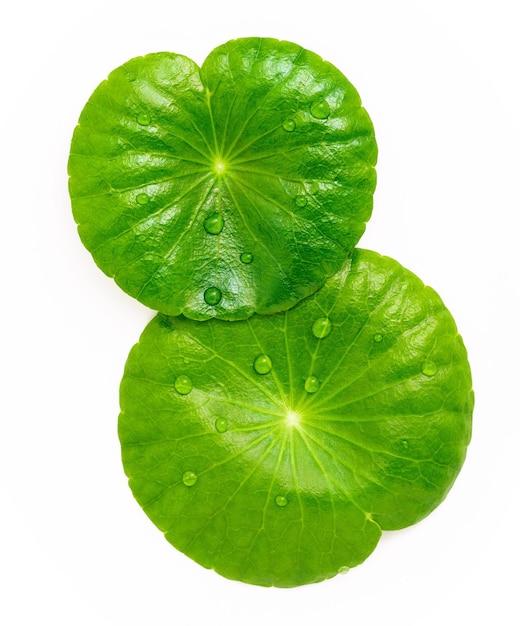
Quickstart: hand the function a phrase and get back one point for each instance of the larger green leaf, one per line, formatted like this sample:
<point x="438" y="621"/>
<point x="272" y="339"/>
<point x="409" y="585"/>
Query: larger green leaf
<point x="225" y="190"/>
<point x="275" y="449"/>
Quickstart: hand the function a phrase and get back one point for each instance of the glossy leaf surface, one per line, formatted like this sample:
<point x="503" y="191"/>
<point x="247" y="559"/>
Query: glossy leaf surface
<point x="221" y="191"/>
<point x="276" y="449"/>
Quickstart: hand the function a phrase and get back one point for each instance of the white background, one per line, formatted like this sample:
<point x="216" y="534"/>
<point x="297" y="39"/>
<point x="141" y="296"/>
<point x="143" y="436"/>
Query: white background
<point x="441" y="83"/>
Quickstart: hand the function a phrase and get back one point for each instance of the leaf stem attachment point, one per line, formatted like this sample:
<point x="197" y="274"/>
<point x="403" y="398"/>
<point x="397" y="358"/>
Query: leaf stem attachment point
<point x="292" y="418"/>
<point x="219" y="167"/>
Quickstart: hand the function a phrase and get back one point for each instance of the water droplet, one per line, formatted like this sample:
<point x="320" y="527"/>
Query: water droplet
<point x="289" y="125"/>
<point x="142" y="198"/>
<point x="320" y="109"/>
<point x="246" y="257"/>
<point x="263" y="364"/>
<point x="221" y="424"/>
<point x="189" y="478"/>
<point x="183" y="384"/>
<point x="343" y="569"/>
<point x="301" y="201"/>
<point x="404" y="443"/>
<point x="143" y="119"/>
<point x="378" y="337"/>
<point x="212" y="296"/>
<point x="131" y="77"/>
<point x="312" y="384"/>
<point x="429" y="368"/>
<point x="321" y="327"/>
<point x="281" y="501"/>
<point x="214" y="224"/>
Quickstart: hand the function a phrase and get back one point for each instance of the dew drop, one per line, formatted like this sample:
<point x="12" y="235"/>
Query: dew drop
<point x="263" y="364"/>
<point x="312" y="384"/>
<point x="378" y="337"/>
<point x="212" y="295"/>
<point x="214" y="224"/>
<point x="301" y="201"/>
<point x="289" y="125"/>
<point x="429" y="368"/>
<point x="321" y="327"/>
<point x="281" y="501"/>
<point x="320" y="109"/>
<point x="143" y="119"/>
<point x="404" y="443"/>
<point x="183" y="384"/>
<point x="221" y="424"/>
<point x="246" y="257"/>
<point x="189" y="478"/>
<point x="343" y="569"/>
<point x="142" y="198"/>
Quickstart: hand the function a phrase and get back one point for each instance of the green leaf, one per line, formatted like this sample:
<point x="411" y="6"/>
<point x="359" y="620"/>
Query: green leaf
<point x="251" y="177"/>
<point x="275" y="449"/>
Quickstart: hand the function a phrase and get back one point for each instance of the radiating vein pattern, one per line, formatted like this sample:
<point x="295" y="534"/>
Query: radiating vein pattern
<point x="266" y="136"/>
<point x="253" y="471"/>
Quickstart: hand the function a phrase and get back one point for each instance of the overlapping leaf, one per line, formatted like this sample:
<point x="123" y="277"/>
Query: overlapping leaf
<point x="225" y="190"/>
<point x="276" y="449"/>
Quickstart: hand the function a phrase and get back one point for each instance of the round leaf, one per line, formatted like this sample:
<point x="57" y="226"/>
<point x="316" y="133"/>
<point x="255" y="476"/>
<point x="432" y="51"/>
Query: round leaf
<point x="251" y="177"/>
<point x="276" y="449"/>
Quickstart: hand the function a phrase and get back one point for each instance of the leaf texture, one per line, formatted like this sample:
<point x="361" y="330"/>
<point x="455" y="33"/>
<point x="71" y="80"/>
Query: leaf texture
<point x="251" y="177"/>
<point x="276" y="449"/>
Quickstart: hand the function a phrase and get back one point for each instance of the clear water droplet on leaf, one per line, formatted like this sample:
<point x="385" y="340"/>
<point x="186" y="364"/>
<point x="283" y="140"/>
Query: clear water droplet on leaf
<point x="183" y="384"/>
<point x="214" y="224"/>
<point x="301" y="201"/>
<point x="312" y="384"/>
<point x="289" y="125"/>
<point x="378" y="337"/>
<point x="281" y="501"/>
<point x="212" y="295"/>
<point x="142" y="198"/>
<point x="321" y="327"/>
<point x="143" y="119"/>
<point x="320" y="109"/>
<point x="246" y="257"/>
<point x="221" y="424"/>
<point x="189" y="478"/>
<point x="429" y="368"/>
<point x="262" y="364"/>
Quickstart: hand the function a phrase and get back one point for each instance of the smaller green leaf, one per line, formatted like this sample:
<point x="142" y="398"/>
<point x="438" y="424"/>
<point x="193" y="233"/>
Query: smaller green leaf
<point x="276" y="449"/>
<point x="225" y="190"/>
